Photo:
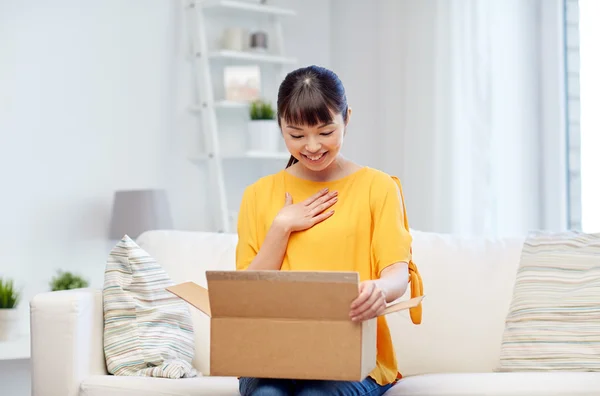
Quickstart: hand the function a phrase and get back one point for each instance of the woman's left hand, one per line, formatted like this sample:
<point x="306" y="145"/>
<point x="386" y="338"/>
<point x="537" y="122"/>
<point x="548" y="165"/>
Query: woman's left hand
<point x="370" y="302"/>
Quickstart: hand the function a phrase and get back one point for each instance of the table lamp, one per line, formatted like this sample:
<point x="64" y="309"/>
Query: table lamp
<point x="137" y="211"/>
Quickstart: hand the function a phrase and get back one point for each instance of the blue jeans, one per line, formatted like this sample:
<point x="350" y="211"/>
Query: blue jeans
<point x="285" y="387"/>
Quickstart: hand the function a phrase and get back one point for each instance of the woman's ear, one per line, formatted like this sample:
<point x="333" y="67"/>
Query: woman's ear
<point x="348" y="114"/>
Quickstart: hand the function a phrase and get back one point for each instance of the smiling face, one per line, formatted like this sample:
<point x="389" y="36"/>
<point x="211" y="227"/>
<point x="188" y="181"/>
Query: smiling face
<point x="315" y="147"/>
<point x="313" y="114"/>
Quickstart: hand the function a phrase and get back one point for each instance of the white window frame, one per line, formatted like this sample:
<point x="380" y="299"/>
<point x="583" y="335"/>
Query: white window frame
<point x="573" y="103"/>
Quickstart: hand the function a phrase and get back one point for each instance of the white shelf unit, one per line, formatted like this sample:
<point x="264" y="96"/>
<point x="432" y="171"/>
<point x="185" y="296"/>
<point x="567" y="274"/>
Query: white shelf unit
<point x="223" y="104"/>
<point x="206" y="58"/>
<point x="15" y="349"/>
<point x="200" y="159"/>
<point x="256" y="57"/>
<point x="247" y="6"/>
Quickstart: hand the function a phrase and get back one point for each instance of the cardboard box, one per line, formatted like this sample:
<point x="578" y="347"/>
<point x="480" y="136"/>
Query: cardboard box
<point x="286" y="324"/>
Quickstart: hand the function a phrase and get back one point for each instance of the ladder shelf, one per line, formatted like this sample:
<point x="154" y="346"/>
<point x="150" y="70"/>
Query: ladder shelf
<point x="205" y="60"/>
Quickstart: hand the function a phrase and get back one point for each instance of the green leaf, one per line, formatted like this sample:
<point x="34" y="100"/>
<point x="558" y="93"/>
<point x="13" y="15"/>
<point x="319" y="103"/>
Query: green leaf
<point x="9" y="296"/>
<point x="67" y="281"/>
<point x="260" y="110"/>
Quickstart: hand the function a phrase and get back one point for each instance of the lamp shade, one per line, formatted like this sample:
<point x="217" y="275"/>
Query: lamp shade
<point x="137" y="211"/>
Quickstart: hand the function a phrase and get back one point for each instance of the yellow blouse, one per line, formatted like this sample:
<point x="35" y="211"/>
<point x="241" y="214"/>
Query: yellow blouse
<point x="368" y="232"/>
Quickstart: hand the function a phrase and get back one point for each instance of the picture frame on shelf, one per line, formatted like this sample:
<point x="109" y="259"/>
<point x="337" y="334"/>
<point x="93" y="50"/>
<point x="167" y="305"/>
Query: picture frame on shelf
<point x="242" y="83"/>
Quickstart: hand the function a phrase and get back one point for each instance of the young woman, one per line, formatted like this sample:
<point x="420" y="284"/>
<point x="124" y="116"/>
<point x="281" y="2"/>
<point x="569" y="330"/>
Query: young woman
<point x="325" y="212"/>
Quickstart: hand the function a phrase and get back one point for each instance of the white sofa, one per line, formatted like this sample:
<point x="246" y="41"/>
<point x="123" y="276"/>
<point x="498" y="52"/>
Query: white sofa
<point x="468" y="285"/>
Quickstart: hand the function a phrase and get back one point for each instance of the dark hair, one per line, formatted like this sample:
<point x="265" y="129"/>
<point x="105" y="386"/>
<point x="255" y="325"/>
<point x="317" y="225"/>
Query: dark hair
<point x="309" y="96"/>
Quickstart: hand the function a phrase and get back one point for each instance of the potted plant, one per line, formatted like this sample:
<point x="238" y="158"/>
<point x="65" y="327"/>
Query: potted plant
<point x="67" y="281"/>
<point x="263" y="130"/>
<point x="9" y="299"/>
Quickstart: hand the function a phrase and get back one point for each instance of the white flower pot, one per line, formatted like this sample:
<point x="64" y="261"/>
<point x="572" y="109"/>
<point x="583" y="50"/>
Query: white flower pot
<point x="263" y="136"/>
<point x="9" y="319"/>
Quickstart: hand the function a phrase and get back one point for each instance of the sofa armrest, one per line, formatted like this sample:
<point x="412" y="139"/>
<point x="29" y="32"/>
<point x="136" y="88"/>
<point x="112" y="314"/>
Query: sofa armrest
<point x="66" y="341"/>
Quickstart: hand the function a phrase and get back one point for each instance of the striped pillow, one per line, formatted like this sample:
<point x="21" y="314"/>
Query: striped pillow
<point x="554" y="319"/>
<point x="148" y="331"/>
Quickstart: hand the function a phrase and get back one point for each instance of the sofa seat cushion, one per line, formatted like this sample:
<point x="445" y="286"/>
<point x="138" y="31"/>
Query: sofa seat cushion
<point x="102" y="385"/>
<point x="500" y="384"/>
<point x="461" y="384"/>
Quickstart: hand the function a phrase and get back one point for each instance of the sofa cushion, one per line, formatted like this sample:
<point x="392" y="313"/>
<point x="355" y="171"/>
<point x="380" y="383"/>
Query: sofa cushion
<point x="468" y="286"/>
<point x="102" y="385"/>
<point x="552" y="323"/>
<point x="147" y="330"/>
<point x="464" y="384"/>
<point x="499" y="384"/>
<point x="186" y="256"/>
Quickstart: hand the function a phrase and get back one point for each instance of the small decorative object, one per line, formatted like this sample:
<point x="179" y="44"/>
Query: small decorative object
<point x="242" y="83"/>
<point x="258" y="41"/>
<point x="138" y="211"/>
<point x="263" y="130"/>
<point x="233" y="39"/>
<point x="9" y="299"/>
<point x="67" y="281"/>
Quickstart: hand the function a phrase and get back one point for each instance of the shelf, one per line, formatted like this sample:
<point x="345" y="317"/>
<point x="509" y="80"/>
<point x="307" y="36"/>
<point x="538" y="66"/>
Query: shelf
<point x="247" y="6"/>
<point x="248" y="155"/>
<point x="224" y="104"/>
<point x="229" y="104"/>
<point x="251" y="56"/>
<point x="281" y="155"/>
<point x="16" y="349"/>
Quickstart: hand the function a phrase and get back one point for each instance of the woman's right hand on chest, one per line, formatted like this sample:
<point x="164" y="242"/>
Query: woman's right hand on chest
<point x="303" y="215"/>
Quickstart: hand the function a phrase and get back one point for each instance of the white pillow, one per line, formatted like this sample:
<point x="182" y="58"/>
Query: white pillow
<point x="147" y="330"/>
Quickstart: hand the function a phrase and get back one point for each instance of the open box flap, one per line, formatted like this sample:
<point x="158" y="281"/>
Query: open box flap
<point x="268" y="285"/>
<point x="193" y="294"/>
<point x="402" y="305"/>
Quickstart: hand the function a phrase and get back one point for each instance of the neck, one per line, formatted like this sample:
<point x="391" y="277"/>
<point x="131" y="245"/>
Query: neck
<point x="334" y="171"/>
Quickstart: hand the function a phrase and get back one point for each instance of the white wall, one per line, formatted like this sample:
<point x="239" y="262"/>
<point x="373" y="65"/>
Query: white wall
<point x="355" y="58"/>
<point x="95" y="98"/>
<point x="85" y="102"/>
<point x="84" y="110"/>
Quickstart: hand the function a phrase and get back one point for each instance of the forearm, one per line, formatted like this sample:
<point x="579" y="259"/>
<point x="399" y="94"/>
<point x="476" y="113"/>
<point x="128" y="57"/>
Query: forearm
<point x="270" y="256"/>
<point x="394" y="281"/>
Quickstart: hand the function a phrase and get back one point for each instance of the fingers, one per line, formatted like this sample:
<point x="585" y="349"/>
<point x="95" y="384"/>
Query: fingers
<point x="369" y="304"/>
<point x="288" y="199"/>
<point x="370" y="312"/>
<point x="323" y="203"/>
<point x="371" y="309"/>
<point x="364" y="292"/>
<point x="325" y="215"/>
<point x="316" y="196"/>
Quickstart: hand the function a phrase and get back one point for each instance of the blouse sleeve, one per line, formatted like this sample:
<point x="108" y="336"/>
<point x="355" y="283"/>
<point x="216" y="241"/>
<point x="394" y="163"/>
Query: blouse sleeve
<point x="391" y="241"/>
<point x="247" y="245"/>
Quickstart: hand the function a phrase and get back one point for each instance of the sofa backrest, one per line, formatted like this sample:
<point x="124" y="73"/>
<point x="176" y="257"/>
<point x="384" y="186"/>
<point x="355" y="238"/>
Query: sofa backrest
<point x="468" y="285"/>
